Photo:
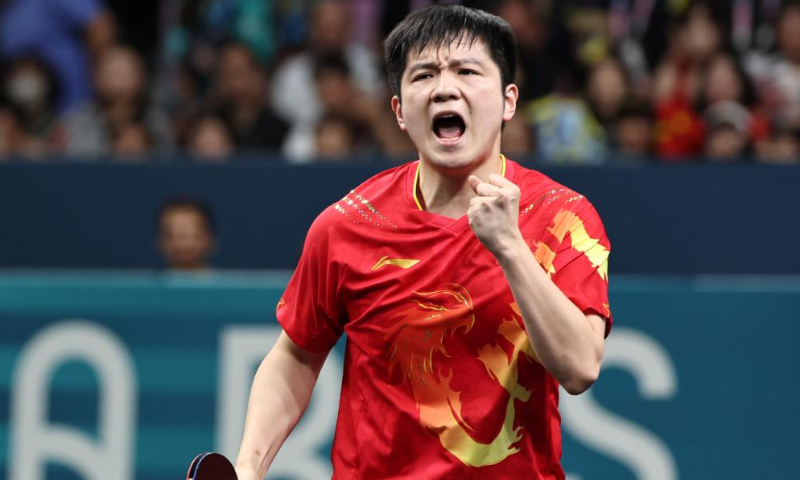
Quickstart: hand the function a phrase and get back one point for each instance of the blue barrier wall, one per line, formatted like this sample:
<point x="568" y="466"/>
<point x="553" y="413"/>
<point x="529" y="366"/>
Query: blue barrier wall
<point x="661" y="219"/>
<point x="144" y="370"/>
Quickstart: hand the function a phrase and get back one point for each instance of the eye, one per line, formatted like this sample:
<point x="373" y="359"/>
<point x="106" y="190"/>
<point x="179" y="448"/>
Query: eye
<point x="421" y="76"/>
<point x="467" y="71"/>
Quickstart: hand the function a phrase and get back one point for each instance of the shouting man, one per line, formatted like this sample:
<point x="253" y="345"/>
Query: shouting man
<point x="469" y="287"/>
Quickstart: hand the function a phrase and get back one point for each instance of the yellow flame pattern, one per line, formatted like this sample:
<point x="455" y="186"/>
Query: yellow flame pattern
<point x="419" y="336"/>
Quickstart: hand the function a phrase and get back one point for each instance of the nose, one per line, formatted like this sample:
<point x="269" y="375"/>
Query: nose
<point x="445" y="88"/>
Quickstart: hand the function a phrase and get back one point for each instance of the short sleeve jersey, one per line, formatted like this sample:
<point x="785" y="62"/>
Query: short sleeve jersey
<point x="440" y="379"/>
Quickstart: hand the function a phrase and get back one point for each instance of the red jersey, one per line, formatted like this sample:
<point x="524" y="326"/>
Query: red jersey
<point x="440" y="379"/>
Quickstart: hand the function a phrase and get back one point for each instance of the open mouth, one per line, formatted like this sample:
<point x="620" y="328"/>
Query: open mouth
<point x="449" y="126"/>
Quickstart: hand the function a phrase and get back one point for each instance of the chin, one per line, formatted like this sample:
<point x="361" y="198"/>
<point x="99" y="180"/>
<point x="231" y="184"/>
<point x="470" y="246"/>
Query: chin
<point x="452" y="161"/>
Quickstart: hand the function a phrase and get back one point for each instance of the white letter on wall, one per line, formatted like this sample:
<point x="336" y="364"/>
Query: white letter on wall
<point x="242" y="350"/>
<point x="35" y="443"/>
<point x="642" y="452"/>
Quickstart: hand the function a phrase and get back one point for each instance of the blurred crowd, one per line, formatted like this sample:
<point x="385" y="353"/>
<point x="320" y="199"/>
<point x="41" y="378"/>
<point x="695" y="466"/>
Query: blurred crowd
<point x="601" y="81"/>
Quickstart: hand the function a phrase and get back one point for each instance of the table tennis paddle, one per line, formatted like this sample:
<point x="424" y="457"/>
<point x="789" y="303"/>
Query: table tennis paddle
<point x="211" y="466"/>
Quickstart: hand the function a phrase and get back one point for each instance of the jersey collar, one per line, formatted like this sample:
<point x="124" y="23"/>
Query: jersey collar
<point x="415" y="186"/>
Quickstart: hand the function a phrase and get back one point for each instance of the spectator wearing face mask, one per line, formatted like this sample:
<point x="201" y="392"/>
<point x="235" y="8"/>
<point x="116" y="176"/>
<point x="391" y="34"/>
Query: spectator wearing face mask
<point x="30" y="92"/>
<point x="65" y="34"/>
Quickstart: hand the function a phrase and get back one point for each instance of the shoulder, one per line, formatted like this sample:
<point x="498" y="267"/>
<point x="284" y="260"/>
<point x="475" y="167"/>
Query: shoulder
<point x="372" y="202"/>
<point x="546" y="200"/>
<point x="537" y="187"/>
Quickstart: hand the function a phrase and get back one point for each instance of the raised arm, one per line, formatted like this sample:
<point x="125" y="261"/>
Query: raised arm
<point x="280" y="394"/>
<point x="567" y="342"/>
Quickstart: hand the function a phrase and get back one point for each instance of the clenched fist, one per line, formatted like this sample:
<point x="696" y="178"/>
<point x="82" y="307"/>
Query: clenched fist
<point x="494" y="212"/>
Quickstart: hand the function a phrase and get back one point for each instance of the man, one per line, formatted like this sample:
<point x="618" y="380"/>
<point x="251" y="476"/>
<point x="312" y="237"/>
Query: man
<point x="186" y="236"/>
<point x="436" y="270"/>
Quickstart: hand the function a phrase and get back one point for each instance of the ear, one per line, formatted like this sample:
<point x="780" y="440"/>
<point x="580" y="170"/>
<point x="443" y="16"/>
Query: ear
<point x="510" y="102"/>
<point x="397" y="108"/>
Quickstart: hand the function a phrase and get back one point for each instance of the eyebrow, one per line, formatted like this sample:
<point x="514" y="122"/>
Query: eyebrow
<point x="434" y="65"/>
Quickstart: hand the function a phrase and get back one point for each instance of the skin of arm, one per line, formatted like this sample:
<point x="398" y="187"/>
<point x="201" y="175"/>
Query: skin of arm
<point x="568" y="343"/>
<point x="279" y="395"/>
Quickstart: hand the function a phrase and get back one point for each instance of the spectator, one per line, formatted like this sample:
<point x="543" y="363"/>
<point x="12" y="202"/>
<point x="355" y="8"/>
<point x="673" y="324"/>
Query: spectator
<point x="193" y="32"/>
<point x="121" y="98"/>
<point x="543" y="47"/>
<point x="724" y="80"/>
<point x="785" y="71"/>
<point x="728" y="125"/>
<point x="337" y="96"/>
<point x="565" y="129"/>
<point x="131" y="142"/>
<point x="243" y="102"/>
<point x="693" y="39"/>
<point x="335" y="138"/>
<point x="65" y="34"/>
<point x="294" y="95"/>
<point x="30" y="91"/>
<point x="607" y="87"/>
<point x="186" y="236"/>
<point x="633" y="129"/>
<point x="209" y="139"/>
<point x="781" y="147"/>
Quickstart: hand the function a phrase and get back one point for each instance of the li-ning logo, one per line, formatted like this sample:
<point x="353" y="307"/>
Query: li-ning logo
<point x="404" y="263"/>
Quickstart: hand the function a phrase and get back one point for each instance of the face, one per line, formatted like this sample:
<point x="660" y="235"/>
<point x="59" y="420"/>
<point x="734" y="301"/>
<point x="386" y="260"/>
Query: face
<point x="238" y="77"/>
<point x="725" y="144"/>
<point x="700" y="36"/>
<point x="334" y="141"/>
<point x="336" y="92"/>
<point x="185" y="239"/>
<point x="635" y="135"/>
<point x="131" y="143"/>
<point x="723" y="82"/>
<point x="119" y="75"/>
<point x="453" y="105"/>
<point x="210" y="141"/>
<point x="607" y="87"/>
<point x="330" y="27"/>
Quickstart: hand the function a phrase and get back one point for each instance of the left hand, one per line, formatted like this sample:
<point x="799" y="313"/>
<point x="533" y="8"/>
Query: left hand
<point x="494" y="212"/>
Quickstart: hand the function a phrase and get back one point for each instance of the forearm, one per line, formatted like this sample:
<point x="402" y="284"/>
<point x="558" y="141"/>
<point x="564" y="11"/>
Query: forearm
<point x="279" y="395"/>
<point x="567" y="343"/>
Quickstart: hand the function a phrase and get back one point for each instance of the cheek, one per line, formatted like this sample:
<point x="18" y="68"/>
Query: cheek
<point x="488" y="107"/>
<point x="414" y="113"/>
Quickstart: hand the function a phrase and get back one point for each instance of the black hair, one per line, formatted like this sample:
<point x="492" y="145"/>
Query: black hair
<point x="441" y="25"/>
<point x="186" y="202"/>
<point x="331" y="64"/>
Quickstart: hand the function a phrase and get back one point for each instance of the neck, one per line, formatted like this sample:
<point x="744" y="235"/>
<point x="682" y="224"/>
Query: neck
<point x="449" y="194"/>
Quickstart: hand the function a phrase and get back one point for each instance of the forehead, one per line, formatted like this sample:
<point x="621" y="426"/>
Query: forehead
<point x="461" y="50"/>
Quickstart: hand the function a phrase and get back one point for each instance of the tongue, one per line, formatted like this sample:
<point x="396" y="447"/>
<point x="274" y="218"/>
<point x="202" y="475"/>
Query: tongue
<point x="453" y="131"/>
<point x="447" y="128"/>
